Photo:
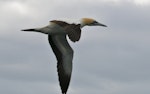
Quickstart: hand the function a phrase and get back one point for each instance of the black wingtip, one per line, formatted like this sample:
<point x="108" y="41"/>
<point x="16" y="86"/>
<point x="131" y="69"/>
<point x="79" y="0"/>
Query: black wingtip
<point x="28" y="30"/>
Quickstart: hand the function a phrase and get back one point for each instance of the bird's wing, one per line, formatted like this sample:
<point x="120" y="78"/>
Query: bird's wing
<point x="64" y="55"/>
<point x="73" y="32"/>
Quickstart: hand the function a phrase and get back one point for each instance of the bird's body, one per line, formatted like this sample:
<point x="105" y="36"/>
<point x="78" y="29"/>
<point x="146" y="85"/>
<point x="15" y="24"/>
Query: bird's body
<point x="57" y="31"/>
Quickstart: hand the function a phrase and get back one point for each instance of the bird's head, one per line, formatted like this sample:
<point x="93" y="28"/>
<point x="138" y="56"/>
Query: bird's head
<point x="90" y="22"/>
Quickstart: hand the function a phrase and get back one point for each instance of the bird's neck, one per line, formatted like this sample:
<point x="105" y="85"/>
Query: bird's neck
<point x="82" y="24"/>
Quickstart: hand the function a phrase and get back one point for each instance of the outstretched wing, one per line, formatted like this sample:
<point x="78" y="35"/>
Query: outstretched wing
<point x="64" y="55"/>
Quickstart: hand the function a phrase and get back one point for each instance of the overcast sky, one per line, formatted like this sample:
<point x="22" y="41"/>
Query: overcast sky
<point x="112" y="60"/>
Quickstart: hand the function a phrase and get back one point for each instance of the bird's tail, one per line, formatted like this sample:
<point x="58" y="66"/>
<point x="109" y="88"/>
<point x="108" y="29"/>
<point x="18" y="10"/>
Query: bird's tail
<point x="28" y="30"/>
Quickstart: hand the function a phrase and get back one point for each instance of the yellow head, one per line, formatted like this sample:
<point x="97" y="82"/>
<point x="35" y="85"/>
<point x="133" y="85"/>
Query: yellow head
<point x="90" y="22"/>
<point x="87" y="20"/>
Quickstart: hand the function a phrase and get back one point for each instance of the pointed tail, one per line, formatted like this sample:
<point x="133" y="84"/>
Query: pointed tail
<point x="28" y="30"/>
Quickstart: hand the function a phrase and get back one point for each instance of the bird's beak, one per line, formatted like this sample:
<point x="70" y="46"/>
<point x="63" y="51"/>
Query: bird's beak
<point x="99" y="24"/>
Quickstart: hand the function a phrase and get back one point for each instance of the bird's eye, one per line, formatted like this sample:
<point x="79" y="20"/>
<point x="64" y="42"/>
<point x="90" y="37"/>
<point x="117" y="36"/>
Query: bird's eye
<point x="94" y="22"/>
<point x="91" y="23"/>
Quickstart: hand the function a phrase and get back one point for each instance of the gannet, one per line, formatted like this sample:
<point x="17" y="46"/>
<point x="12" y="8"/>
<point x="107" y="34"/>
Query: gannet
<point x="57" y="31"/>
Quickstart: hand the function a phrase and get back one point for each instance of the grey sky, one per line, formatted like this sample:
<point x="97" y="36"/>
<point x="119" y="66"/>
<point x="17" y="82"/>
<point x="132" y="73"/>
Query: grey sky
<point x="112" y="60"/>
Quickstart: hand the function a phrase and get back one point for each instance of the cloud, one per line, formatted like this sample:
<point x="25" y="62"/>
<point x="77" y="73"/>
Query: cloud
<point x="107" y="60"/>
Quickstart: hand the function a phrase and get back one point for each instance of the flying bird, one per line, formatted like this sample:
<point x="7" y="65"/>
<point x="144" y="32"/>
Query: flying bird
<point x="57" y="31"/>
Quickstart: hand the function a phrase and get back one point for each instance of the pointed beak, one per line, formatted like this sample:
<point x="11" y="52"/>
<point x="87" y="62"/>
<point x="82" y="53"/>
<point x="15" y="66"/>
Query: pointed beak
<point x="99" y="24"/>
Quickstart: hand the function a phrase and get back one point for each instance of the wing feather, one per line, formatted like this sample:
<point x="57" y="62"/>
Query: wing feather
<point x="64" y="64"/>
<point x="74" y="32"/>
